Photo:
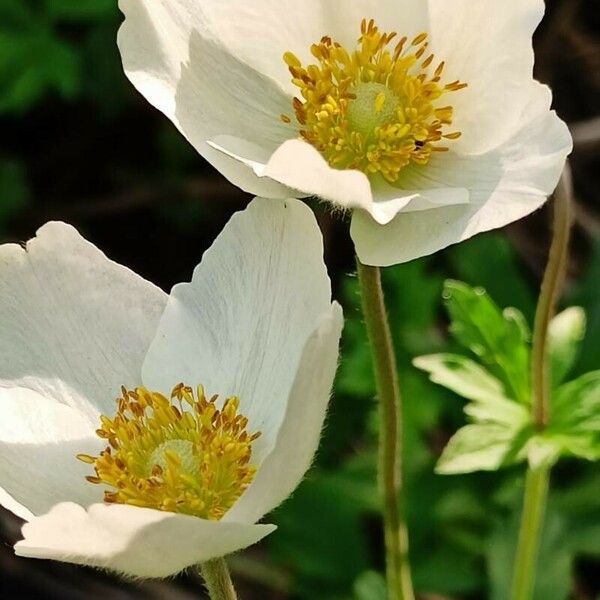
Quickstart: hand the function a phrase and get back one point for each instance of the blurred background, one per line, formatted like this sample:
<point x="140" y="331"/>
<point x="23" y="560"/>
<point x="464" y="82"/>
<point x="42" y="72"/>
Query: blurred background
<point x="78" y="144"/>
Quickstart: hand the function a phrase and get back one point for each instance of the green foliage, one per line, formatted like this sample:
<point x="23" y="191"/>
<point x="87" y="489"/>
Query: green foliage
<point x="479" y="447"/>
<point x="370" y="585"/>
<point x="564" y="337"/>
<point x="570" y="531"/>
<point x="498" y="339"/>
<point x="14" y="194"/>
<point x="33" y="62"/>
<point x="502" y="431"/>
<point x="336" y="503"/>
<point x="498" y="422"/>
<point x="80" y="10"/>
<point x="38" y="58"/>
<point x="556" y="558"/>
<point x="463" y="527"/>
<point x="586" y="296"/>
<point x="489" y="261"/>
<point x="575" y="425"/>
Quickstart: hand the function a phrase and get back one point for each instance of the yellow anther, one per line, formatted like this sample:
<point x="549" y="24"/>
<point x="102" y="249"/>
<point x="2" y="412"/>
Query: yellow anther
<point x="291" y="60"/>
<point x="419" y="39"/>
<point x="374" y="108"/>
<point x="190" y="458"/>
<point x="379" y="102"/>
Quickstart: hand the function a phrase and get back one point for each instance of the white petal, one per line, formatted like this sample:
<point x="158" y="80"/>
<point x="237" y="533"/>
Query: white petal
<point x="505" y="185"/>
<point x="39" y="441"/>
<point x="261" y="31"/>
<point x="8" y="502"/>
<point x="135" y="541"/>
<point x="299" y="166"/>
<point x="487" y="44"/>
<point x="202" y="88"/>
<point x="75" y="325"/>
<point x="298" y="438"/>
<point x="240" y="326"/>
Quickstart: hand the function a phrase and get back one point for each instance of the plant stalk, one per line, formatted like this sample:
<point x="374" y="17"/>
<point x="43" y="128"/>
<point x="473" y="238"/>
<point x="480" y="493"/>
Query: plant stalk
<point x="552" y="285"/>
<point x="537" y="479"/>
<point x="218" y="580"/>
<point x="398" y="574"/>
<point x="534" y="503"/>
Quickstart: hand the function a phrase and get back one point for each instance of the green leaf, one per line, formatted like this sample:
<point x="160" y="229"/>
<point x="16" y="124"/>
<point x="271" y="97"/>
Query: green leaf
<point x="490" y="261"/>
<point x="583" y="446"/>
<point x="468" y="379"/>
<point x="328" y="556"/>
<point x="413" y="299"/>
<point x="15" y="190"/>
<point x="564" y="337"/>
<point x="479" y="447"/>
<point x="33" y="63"/>
<point x="461" y="375"/>
<point x="580" y="500"/>
<point x="542" y="451"/>
<point x="15" y="14"/>
<point x="370" y="585"/>
<point x="575" y="423"/>
<point x="576" y="404"/>
<point x="453" y="574"/>
<point x="587" y="297"/>
<point x="499" y="339"/>
<point x="80" y="10"/>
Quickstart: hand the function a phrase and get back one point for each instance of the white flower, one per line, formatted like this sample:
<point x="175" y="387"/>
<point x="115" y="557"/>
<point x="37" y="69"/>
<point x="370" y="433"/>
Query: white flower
<point x="445" y="161"/>
<point x="256" y="322"/>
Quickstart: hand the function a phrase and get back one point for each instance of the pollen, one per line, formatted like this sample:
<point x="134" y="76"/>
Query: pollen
<point x="179" y="454"/>
<point x="378" y="108"/>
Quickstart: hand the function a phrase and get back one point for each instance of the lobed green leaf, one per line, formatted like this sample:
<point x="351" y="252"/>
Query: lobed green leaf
<point x="479" y="447"/>
<point x="499" y="339"/>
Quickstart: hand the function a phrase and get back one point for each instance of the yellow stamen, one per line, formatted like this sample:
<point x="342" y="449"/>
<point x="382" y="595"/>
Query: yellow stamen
<point x="180" y="455"/>
<point x="374" y="109"/>
<point x="379" y="102"/>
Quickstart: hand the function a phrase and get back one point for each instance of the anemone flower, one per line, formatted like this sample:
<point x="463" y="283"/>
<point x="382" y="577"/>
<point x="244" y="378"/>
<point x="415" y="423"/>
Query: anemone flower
<point x="422" y="117"/>
<point x="221" y="386"/>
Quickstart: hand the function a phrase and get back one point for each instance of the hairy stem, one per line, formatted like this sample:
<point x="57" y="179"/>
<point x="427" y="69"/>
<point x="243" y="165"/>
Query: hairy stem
<point x="218" y="580"/>
<point x="390" y="481"/>
<point x="551" y="287"/>
<point x="537" y="481"/>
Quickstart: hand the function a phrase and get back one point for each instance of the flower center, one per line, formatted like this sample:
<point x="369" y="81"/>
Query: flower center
<point x="374" y="105"/>
<point x="375" y="109"/>
<point x="183" y="449"/>
<point x="179" y="455"/>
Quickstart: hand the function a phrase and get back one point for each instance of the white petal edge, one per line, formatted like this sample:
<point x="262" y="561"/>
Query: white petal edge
<point x="39" y="441"/>
<point x="299" y="436"/>
<point x="75" y="325"/>
<point x="488" y="45"/>
<point x="139" y="542"/>
<point x="202" y="88"/>
<point x="240" y="326"/>
<point x="506" y="185"/>
<point x="16" y="508"/>
<point x="299" y="166"/>
<point x="243" y="27"/>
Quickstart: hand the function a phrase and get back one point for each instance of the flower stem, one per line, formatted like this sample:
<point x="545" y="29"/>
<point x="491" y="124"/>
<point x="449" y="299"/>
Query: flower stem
<point x="390" y="481"/>
<point x="534" y="502"/>
<point x="551" y="287"/>
<point x="218" y="580"/>
<point x="537" y="479"/>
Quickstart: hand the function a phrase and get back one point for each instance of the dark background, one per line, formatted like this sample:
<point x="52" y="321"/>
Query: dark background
<point x="78" y="144"/>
